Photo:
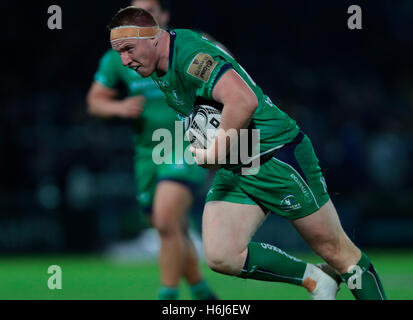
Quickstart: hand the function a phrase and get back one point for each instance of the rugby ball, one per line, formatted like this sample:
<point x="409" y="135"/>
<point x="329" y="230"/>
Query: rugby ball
<point x="201" y="125"/>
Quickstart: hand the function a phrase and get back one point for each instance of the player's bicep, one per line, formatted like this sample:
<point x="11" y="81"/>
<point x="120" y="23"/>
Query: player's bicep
<point x="231" y="89"/>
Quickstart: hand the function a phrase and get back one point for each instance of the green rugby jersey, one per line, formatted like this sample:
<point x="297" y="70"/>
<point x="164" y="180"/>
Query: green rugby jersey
<point x="195" y="66"/>
<point x="156" y="113"/>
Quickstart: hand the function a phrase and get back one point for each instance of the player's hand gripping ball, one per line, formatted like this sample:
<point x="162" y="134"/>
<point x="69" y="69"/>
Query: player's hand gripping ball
<point x="201" y="125"/>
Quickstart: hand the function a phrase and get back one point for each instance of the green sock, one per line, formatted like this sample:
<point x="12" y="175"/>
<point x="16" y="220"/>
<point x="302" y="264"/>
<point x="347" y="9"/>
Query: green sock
<point x="368" y="286"/>
<point x="168" y="293"/>
<point x="201" y="291"/>
<point x="268" y="263"/>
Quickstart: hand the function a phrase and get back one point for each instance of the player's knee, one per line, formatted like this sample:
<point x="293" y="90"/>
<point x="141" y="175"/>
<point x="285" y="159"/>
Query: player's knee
<point x="221" y="260"/>
<point x="220" y="265"/>
<point x="166" y="225"/>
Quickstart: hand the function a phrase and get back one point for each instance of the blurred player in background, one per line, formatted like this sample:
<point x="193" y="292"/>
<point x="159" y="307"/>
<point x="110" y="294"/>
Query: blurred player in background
<point x="164" y="191"/>
<point x="187" y="67"/>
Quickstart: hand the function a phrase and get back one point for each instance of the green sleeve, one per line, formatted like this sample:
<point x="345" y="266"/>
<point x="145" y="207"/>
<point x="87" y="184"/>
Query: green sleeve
<point x="202" y="70"/>
<point x="108" y="73"/>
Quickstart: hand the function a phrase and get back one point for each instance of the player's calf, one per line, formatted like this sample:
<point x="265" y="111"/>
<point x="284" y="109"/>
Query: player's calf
<point x="338" y="255"/>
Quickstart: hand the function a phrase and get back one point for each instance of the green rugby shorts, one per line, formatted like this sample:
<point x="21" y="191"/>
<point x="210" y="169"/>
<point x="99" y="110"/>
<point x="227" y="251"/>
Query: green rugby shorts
<point x="148" y="175"/>
<point x="289" y="184"/>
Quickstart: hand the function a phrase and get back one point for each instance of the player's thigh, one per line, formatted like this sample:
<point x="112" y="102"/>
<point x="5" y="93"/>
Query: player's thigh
<point x="230" y="216"/>
<point x="321" y="226"/>
<point x="171" y="203"/>
<point x="227" y="228"/>
<point x="175" y="190"/>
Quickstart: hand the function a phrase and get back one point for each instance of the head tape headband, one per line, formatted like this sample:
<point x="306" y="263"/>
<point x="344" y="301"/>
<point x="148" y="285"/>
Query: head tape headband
<point x="133" y="32"/>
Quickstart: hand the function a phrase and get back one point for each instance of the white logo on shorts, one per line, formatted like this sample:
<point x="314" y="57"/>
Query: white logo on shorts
<point x="307" y="196"/>
<point x="289" y="203"/>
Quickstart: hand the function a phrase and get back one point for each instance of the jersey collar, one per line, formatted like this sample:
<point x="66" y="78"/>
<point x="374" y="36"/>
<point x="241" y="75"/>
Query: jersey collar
<point x="172" y="35"/>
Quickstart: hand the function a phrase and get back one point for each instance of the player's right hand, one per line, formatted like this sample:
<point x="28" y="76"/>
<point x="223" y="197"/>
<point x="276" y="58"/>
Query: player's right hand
<point x="132" y="107"/>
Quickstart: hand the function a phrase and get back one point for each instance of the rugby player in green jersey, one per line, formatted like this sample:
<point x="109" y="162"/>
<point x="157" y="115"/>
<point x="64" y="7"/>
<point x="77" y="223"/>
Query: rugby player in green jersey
<point x="164" y="191"/>
<point x="190" y="69"/>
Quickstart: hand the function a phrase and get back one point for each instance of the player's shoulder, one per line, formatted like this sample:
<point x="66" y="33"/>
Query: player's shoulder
<point x="186" y="34"/>
<point x="110" y="61"/>
<point x="190" y="39"/>
<point x="195" y="55"/>
<point x="110" y="56"/>
<point x="190" y="43"/>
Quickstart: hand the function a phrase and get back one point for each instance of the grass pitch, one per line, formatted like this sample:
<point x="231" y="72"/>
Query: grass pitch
<point x="94" y="278"/>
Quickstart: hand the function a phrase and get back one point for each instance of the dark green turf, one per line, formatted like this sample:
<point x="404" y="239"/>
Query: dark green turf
<point x="93" y="277"/>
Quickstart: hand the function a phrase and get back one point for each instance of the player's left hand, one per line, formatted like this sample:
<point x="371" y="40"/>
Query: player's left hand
<point x="205" y="158"/>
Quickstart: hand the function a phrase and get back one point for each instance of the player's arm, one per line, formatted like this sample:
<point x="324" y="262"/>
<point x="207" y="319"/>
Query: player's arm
<point x="240" y="103"/>
<point x="102" y="102"/>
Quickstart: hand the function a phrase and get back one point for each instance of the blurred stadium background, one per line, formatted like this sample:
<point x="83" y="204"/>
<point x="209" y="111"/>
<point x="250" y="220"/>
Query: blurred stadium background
<point x="67" y="194"/>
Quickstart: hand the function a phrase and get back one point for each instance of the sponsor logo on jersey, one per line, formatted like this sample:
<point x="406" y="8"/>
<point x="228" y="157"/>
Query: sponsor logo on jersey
<point x="161" y="84"/>
<point x="177" y="100"/>
<point x="202" y="66"/>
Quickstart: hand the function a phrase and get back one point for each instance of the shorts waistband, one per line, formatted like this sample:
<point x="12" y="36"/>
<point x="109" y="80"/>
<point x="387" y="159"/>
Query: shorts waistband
<point x="267" y="156"/>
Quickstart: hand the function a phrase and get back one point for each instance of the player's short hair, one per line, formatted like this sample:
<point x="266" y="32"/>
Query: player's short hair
<point x="132" y="16"/>
<point x="164" y="4"/>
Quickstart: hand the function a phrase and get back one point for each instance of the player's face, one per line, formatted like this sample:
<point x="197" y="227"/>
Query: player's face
<point x="138" y="54"/>
<point x="153" y="7"/>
